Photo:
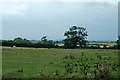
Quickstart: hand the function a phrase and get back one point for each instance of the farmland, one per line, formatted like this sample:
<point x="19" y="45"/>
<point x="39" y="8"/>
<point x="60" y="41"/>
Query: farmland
<point x="21" y="62"/>
<point x="101" y="44"/>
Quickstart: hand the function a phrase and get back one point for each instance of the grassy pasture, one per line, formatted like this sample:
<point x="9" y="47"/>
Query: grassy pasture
<point x="59" y="63"/>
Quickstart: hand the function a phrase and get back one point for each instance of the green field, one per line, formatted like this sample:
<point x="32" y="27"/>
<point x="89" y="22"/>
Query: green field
<point x="59" y="63"/>
<point x="103" y="43"/>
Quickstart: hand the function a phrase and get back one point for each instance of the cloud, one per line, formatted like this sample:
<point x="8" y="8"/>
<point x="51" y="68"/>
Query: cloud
<point x="13" y="9"/>
<point x="18" y="8"/>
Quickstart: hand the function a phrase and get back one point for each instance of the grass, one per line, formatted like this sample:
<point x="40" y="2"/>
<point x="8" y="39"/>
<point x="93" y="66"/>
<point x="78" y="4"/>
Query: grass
<point x="59" y="63"/>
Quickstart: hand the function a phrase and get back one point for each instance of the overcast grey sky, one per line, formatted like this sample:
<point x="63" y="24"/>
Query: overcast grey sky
<point x="34" y="20"/>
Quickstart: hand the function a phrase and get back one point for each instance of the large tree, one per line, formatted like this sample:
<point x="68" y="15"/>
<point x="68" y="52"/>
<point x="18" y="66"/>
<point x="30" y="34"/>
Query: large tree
<point x="118" y="42"/>
<point x="75" y="36"/>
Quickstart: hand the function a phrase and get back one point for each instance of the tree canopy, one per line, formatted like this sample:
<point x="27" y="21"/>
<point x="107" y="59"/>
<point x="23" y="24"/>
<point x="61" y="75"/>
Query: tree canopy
<point x="75" y="36"/>
<point x="118" y="42"/>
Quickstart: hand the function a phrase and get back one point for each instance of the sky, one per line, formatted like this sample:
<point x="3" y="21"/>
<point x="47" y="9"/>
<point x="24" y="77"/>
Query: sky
<point x="32" y="20"/>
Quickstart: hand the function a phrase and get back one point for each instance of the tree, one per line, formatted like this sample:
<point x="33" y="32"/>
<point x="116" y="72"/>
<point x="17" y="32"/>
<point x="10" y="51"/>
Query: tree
<point x="46" y="43"/>
<point x="44" y="39"/>
<point x="75" y="35"/>
<point x="118" y="42"/>
<point x="22" y="42"/>
<point x="18" y="39"/>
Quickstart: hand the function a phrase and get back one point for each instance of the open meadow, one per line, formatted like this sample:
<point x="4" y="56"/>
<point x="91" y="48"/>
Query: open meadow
<point x="21" y="62"/>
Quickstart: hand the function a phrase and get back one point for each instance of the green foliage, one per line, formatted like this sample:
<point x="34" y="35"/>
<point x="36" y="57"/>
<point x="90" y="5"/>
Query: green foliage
<point x="18" y="39"/>
<point x="75" y="35"/>
<point x="69" y="57"/>
<point x="22" y="42"/>
<point x="44" y="39"/>
<point x="19" y="42"/>
<point x="118" y="42"/>
<point x="44" y="43"/>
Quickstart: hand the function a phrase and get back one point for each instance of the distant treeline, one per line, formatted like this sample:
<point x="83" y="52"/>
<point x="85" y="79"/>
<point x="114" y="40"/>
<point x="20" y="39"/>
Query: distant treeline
<point x="19" y="42"/>
<point x="44" y="43"/>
